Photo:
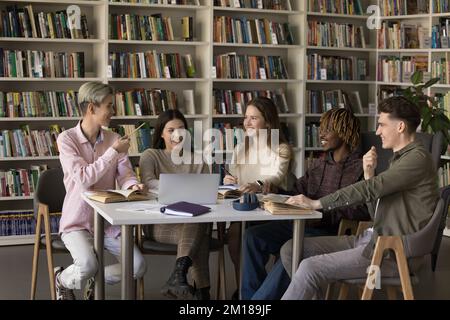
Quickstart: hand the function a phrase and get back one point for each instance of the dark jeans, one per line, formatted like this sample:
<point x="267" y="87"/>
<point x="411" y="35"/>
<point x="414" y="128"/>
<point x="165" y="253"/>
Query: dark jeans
<point x="260" y="242"/>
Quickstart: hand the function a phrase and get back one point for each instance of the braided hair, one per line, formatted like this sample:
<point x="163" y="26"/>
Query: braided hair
<point x="344" y="123"/>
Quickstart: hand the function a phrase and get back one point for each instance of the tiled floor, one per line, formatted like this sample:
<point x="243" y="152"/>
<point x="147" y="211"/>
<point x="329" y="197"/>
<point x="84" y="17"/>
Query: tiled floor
<point x="15" y="275"/>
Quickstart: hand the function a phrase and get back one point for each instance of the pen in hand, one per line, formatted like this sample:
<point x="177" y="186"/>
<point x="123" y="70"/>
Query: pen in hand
<point x="229" y="174"/>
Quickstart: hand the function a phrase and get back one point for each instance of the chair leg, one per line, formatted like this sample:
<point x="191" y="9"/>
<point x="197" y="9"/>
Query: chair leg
<point x="403" y="271"/>
<point x="48" y="244"/>
<point x="219" y="283"/>
<point x="328" y="295"/>
<point x="396" y="244"/>
<point x="141" y="288"/>
<point x="222" y="280"/>
<point x="343" y="292"/>
<point x="37" y="246"/>
<point x="391" y="292"/>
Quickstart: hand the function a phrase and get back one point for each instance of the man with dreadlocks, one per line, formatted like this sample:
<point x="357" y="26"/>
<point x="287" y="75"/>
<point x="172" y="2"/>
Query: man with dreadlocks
<point x="340" y="166"/>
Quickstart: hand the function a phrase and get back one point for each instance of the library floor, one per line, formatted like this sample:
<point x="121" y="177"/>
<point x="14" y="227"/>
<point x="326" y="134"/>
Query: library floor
<point x="15" y="275"/>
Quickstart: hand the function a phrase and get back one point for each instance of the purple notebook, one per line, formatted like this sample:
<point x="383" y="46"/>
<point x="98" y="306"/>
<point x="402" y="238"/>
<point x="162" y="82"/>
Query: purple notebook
<point x="184" y="208"/>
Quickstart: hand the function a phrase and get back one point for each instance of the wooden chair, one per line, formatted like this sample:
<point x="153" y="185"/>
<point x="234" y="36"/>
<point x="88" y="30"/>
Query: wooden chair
<point x="152" y="247"/>
<point x="414" y="245"/>
<point x="48" y="199"/>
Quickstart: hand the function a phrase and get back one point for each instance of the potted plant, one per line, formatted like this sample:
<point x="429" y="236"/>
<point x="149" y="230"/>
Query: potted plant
<point x="434" y="117"/>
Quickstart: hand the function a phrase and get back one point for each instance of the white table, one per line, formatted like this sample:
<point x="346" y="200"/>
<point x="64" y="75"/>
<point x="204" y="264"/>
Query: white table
<point x="222" y="212"/>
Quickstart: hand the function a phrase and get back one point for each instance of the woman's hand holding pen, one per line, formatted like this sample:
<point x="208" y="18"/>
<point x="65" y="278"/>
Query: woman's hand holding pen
<point x="228" y="179"/>
<point x="122" y="144"/>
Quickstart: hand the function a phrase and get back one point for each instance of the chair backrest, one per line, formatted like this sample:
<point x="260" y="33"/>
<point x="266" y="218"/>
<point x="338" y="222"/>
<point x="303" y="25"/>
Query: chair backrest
<point x="433" y="143"/>
<point x="445" y="195"/>
<point x="50" y="190"/>
<point x="423" y="242"/>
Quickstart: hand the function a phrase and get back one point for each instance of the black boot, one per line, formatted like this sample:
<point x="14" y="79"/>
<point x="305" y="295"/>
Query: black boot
<point x="177" y="286"/>
<point x="202" y="294"/>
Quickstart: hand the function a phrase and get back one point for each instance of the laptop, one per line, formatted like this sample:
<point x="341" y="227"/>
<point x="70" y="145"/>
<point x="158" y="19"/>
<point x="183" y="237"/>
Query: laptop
<point x="196" y="188"/>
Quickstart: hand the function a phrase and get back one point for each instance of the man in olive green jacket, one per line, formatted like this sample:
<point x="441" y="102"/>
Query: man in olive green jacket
<point x="405" y="197"/>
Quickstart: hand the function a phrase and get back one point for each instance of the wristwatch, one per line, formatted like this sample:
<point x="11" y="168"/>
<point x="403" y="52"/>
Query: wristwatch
<point x="260" y="183"/>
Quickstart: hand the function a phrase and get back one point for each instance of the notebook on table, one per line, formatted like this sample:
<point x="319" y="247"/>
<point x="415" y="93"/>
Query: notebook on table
<point x="184" y="208"/>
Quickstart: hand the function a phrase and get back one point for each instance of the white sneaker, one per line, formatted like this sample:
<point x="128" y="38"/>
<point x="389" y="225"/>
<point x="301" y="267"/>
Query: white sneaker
<point x="89" y="289"/>
<point x="62" y="293"/>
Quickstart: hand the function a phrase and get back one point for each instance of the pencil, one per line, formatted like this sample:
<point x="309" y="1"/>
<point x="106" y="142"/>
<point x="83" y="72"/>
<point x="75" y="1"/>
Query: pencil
<point x="135" y="130"/>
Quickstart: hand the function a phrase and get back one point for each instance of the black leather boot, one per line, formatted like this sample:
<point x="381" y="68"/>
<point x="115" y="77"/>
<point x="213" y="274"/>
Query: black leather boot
<point x="202" y="294"/>
<point x="177" y="286"/>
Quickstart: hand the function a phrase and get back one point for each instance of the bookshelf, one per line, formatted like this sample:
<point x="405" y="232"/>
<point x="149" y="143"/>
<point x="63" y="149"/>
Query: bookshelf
<point x="204" y="49"/>
<point x="327" y="31"/>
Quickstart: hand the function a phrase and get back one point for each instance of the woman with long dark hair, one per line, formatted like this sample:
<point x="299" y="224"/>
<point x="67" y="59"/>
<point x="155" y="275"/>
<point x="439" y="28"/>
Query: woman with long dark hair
<point x="257" y="161"/>
<point x="192" y="238"/>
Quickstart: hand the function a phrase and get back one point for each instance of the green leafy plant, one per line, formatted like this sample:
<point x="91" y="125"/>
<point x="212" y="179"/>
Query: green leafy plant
<point x="434" y="117"/>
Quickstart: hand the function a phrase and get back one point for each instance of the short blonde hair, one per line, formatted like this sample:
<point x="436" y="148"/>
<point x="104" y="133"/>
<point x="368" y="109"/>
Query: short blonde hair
<point x="92" y="92"/>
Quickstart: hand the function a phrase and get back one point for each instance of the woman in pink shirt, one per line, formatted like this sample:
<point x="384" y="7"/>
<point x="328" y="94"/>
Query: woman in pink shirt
<point x="92" y="159"/>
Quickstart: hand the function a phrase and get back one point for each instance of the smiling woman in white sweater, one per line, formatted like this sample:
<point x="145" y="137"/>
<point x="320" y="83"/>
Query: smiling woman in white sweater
<point x="256" y="160"/>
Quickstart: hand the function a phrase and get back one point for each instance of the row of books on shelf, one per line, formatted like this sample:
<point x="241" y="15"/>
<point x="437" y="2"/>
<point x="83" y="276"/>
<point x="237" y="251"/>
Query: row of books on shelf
<point x="41" y="64"/>
<point x="255" y="4"/>
<point x="440" y="6"/>
<point x="322" y="67"/>
<point x="143" y="102"/>
<point x="175" y="2"/>
<point x="444" y="175"/>
<point x="18" y="223"/>
<point x="39" y="104"/>
<point x="319" y="101"/>
<point x="440" y="35"/>
<point x="234" y="101"/>
<point x="396" y="69"/>
<point x="242" y="30"/>
<point x="25" y="142"/>
<point x="352" y="7"/>
<point x="20" y="182"/>
<point x="402" y="35"/>
<point x="387" y="92"/>
<point x="150" y="64"/>
<point x="441" y="69"/>
<point x="150" y="28"/>
<point x="22" y="22"/>
<point x="312" y="136"/>
<point x="234" y="66"/>
<point x="403" y="7"/>
<point x="444" y="101"/>
<point x="332" y="34"/>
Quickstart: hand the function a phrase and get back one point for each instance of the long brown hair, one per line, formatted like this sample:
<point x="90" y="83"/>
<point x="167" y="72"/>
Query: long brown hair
<point x="166" y="116"/>
<point x="270" y="114"/>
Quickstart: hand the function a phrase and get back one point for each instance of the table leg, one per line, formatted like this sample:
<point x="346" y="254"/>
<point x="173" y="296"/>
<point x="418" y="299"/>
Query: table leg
<point x="297" y="243"/>
<point x="99" y="238"/>
<point x="241" y="259"/>
<point x="128" y="291"/>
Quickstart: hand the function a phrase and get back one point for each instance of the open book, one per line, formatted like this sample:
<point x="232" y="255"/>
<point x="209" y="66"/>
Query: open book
<point x="109" y="196"/>
<point x="229" y="191"/>
<point x="277" y="205"/>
